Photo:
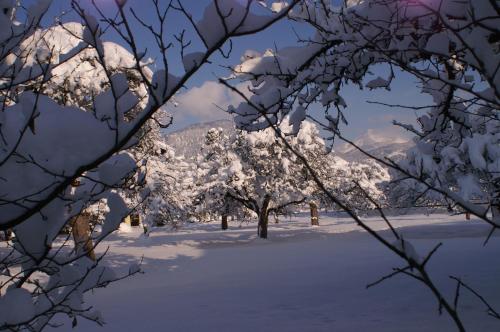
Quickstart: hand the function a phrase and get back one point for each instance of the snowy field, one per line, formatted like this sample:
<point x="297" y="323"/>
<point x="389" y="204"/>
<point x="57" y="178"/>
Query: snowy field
<point x="302" y="278"/>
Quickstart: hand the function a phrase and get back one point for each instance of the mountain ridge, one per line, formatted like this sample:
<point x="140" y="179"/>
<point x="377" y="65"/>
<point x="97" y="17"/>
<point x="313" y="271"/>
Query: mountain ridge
<point x="376" y="144"/>
<point x="188" y="142"/>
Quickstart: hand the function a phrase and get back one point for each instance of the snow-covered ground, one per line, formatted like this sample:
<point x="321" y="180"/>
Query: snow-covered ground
<point x="302" y="278"/>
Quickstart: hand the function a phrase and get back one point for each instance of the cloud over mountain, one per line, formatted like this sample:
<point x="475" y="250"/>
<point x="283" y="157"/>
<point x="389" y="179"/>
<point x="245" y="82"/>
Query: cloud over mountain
<point x="204" y="103"/>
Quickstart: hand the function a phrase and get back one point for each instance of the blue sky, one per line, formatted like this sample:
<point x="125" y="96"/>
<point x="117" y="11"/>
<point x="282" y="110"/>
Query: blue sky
<point x="197" y="102"/>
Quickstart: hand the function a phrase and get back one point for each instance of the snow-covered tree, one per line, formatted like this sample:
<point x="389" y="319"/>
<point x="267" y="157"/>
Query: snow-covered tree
<point x="170" y="181"/>
<point x="450" y="47"/>
<point x="257" y="171"/>
<point x="254" y="170"/>
<point x="363" y="185"/>
<point x="78" y="81"/>
<point x="47" y="145"/>
<point x="461" y="159"/>
<point x="211" y="200"/>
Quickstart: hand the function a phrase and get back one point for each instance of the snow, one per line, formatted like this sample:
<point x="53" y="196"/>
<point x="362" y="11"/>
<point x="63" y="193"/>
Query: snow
<point x="188" y="142"/>
<point x="438" y="43"/>
<point x="16" y="306"/>
<point x="302" y="278"/>
<point x="379" y="82"/>
<point x="227" y="16"/>
<point x="371" y="140"/>
<point x="192" y="60"/>
<point x="125" y="228"/>
<point x="279" y="6"/>
<point x="46" y="145"/>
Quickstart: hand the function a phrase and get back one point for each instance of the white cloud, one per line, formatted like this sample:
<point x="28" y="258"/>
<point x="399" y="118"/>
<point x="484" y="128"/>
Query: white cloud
<point x="204" y="103"/>
<point x="389" y="134"/>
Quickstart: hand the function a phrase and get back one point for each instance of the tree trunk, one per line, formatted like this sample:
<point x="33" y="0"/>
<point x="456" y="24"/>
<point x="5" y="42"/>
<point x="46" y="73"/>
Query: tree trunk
<point x="224" y="224"/>
<point x="135" y="220"/>
<point x="263" y="222"/>
<point x="314" y="214"/>
<point x="81" y="236"/>
<point x="467" y="215"/>
<point x="495" y="213"/>
<point x="264" y="217"/>
<point x="7" y="234"/>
